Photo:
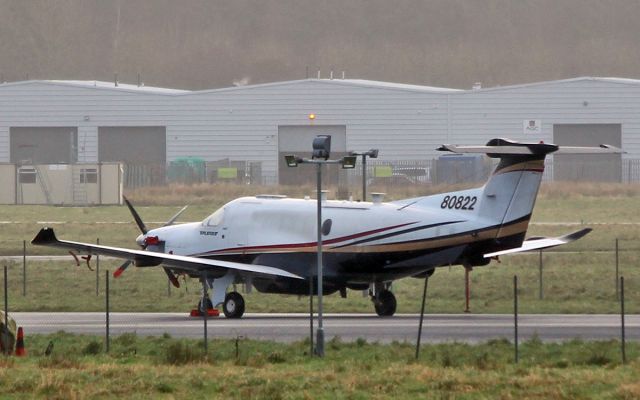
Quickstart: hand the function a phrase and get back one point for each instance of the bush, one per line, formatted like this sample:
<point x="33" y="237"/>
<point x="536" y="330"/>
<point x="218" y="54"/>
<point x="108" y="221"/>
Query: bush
<point x="92" y="348"/>
<point x="178" y="353"/>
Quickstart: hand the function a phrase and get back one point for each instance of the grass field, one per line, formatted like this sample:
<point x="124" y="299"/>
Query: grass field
<point x="578" y="278"/>
<point x="164" y="367"/>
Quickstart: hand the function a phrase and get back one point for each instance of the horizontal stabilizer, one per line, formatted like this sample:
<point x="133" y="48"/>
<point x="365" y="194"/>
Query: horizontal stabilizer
<point x="498" y="147"/>
<point x="46" y="237"/>
<point x="542" y="243"/>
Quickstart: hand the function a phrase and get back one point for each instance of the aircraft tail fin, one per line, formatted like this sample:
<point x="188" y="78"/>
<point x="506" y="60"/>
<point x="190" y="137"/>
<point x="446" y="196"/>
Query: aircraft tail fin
<point x="507" y="199"/>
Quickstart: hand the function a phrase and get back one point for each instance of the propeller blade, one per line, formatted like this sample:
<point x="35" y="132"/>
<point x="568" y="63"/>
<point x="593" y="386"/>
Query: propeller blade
<point x="136" y="217"/>
<point x="172" y="277"/>
<point x="175" y="217"/>
<point x="120" y="270"/>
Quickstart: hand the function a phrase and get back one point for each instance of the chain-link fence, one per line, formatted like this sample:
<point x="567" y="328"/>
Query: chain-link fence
<point x="388" y="174"/>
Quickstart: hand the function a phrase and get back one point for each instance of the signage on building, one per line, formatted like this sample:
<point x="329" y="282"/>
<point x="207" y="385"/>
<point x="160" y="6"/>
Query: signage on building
<point x="532" y="126"/>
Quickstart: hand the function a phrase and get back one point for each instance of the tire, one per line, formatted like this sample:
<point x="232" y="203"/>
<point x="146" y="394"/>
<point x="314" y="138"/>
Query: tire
<point x="385" y="303"/>
<point x="233" y="306"/>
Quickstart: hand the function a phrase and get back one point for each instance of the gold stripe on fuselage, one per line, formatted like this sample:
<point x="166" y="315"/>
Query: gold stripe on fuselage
<point x="532" y="164"/>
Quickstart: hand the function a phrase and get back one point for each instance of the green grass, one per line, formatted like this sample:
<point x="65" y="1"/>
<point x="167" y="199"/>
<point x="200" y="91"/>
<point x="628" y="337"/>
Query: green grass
<point x="578" y="278"/>
<point x="163" y="367"/>
<point x="573" y="283"/>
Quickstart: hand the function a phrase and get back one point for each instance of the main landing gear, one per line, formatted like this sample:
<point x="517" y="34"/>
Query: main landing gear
<point x="233" y="306"/>
<point x="232" y="302"/>
<point x="383" y="300"/>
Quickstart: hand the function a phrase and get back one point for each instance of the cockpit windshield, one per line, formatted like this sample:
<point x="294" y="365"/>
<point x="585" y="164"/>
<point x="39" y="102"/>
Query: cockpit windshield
<point x="214" y="219"/>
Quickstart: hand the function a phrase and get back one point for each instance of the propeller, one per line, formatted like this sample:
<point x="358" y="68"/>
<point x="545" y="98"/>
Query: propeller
<point x="136" y="217"/>
<point x="172" y="277"/>
<point x="143" y="228"/>
<point x="120" y="270"/>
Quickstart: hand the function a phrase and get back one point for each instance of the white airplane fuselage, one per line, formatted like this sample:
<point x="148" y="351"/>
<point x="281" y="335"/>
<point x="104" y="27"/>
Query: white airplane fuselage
<point x="365" y="242"/>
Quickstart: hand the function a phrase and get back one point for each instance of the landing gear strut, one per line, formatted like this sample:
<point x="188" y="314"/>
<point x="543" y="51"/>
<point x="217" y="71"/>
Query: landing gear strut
<point x="384" y="302"/>
<point x="233" y="306"/>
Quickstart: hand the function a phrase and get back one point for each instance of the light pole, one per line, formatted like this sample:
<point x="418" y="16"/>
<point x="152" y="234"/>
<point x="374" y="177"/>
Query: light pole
<point x="373" y="153"/>
<point x="320" y="156"/>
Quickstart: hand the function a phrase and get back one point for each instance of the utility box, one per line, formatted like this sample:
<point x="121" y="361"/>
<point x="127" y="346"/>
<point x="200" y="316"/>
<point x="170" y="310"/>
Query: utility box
<point x="61" y="184"/>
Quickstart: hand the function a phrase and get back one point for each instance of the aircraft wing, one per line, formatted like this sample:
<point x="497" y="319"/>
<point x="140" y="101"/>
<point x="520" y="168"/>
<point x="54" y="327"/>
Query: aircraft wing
<point x="538" y="243"/>
<point x="46" y="237"/>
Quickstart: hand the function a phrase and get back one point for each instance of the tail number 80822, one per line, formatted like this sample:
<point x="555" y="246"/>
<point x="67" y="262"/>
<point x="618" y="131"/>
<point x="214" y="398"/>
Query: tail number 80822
<point x="459" y="202"/>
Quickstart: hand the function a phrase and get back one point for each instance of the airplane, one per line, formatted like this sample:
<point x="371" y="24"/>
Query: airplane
<point x="269" y="241"/>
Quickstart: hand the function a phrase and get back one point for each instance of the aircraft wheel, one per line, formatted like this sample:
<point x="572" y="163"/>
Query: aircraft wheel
<point x="385" y="303"/>
<point x="208" y="304"/>
<point x="233" y="306"/>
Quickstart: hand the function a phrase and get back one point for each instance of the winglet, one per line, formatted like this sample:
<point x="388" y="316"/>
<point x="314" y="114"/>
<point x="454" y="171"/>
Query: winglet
<point x="576" y="235"/>
<point x="45" y="236"/>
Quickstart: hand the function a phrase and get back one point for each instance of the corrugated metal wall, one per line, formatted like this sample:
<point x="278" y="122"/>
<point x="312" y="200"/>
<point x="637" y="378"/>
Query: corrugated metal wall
<point x="242" y="123"/>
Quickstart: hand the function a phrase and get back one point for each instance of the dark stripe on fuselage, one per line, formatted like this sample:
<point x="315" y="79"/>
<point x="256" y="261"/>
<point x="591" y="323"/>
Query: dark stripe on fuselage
<point x="392" y="234"/>
<point x="344" y="268"/>
<point x="299" y="245"/>
<point x="454" y="235"/>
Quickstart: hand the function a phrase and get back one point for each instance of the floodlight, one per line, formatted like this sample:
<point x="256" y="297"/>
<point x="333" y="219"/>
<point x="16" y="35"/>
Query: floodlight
<point x="349" y="162"/>
<point x="292" y="161"/>
<point x="321" y="147"/>
<point x="373" y="153"/>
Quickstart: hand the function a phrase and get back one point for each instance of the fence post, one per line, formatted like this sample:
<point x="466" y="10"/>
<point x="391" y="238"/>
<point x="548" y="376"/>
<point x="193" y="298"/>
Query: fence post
<point x="617" y="273"/>
<point x="515" y="315"/>
<point x="624" y="353"/>
<point x="97" y="270"/>
<point x="6" y="310"/>
<point x="424" y="298"/>
<point x="540" y="292"/>
<point x="205" y="310"/>
<point x="106" y="289"/>
<point x="24" y="267"/>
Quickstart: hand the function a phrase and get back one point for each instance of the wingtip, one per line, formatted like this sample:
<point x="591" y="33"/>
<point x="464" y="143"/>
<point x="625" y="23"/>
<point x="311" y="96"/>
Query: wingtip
<point x="578" y="234"/>
<point x="46" y="235"/>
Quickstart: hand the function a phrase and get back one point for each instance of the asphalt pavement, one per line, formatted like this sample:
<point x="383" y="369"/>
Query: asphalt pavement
<point x="470" y="328"/>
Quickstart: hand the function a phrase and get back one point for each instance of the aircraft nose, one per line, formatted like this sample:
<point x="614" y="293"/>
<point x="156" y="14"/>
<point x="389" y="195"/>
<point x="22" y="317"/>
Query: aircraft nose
<point x="140" y="240"/>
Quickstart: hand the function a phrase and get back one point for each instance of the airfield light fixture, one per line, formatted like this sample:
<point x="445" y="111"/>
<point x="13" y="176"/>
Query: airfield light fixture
<point x="312" y="116"/>
<point x="321" y="147"/>
<point x="372" y="153"/>
<point x="292" y="161"/>
<point x="320" y="156"/>
<point x="349" y="162"/>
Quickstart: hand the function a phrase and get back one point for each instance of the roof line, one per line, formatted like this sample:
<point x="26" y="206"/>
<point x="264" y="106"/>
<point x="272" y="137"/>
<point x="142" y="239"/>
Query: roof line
<point x="103" y="85"/>
<point x="621" y="81"/>
<point x="346" y="82"/>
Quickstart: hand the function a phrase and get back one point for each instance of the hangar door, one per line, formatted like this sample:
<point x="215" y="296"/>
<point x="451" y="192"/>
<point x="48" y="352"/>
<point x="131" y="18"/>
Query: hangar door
<point x="587" y="167"/>
<point x="133" y="144"/>
<point x="297" y="139"/>
<point x="44" y="145"/>
<point x="142" y="149"/>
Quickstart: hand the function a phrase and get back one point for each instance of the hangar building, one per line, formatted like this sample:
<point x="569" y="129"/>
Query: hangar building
<point x="49" y="121"/>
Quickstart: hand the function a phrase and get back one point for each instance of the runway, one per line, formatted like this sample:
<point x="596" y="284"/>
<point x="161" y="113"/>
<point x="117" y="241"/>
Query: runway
<point x="470" y="328"/>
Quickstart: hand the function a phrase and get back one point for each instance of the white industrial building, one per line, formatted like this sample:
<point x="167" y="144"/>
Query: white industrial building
<point x="50" y="122"/>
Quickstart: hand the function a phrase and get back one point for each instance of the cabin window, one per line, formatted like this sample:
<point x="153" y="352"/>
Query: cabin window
<point x="215" y="219"/>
